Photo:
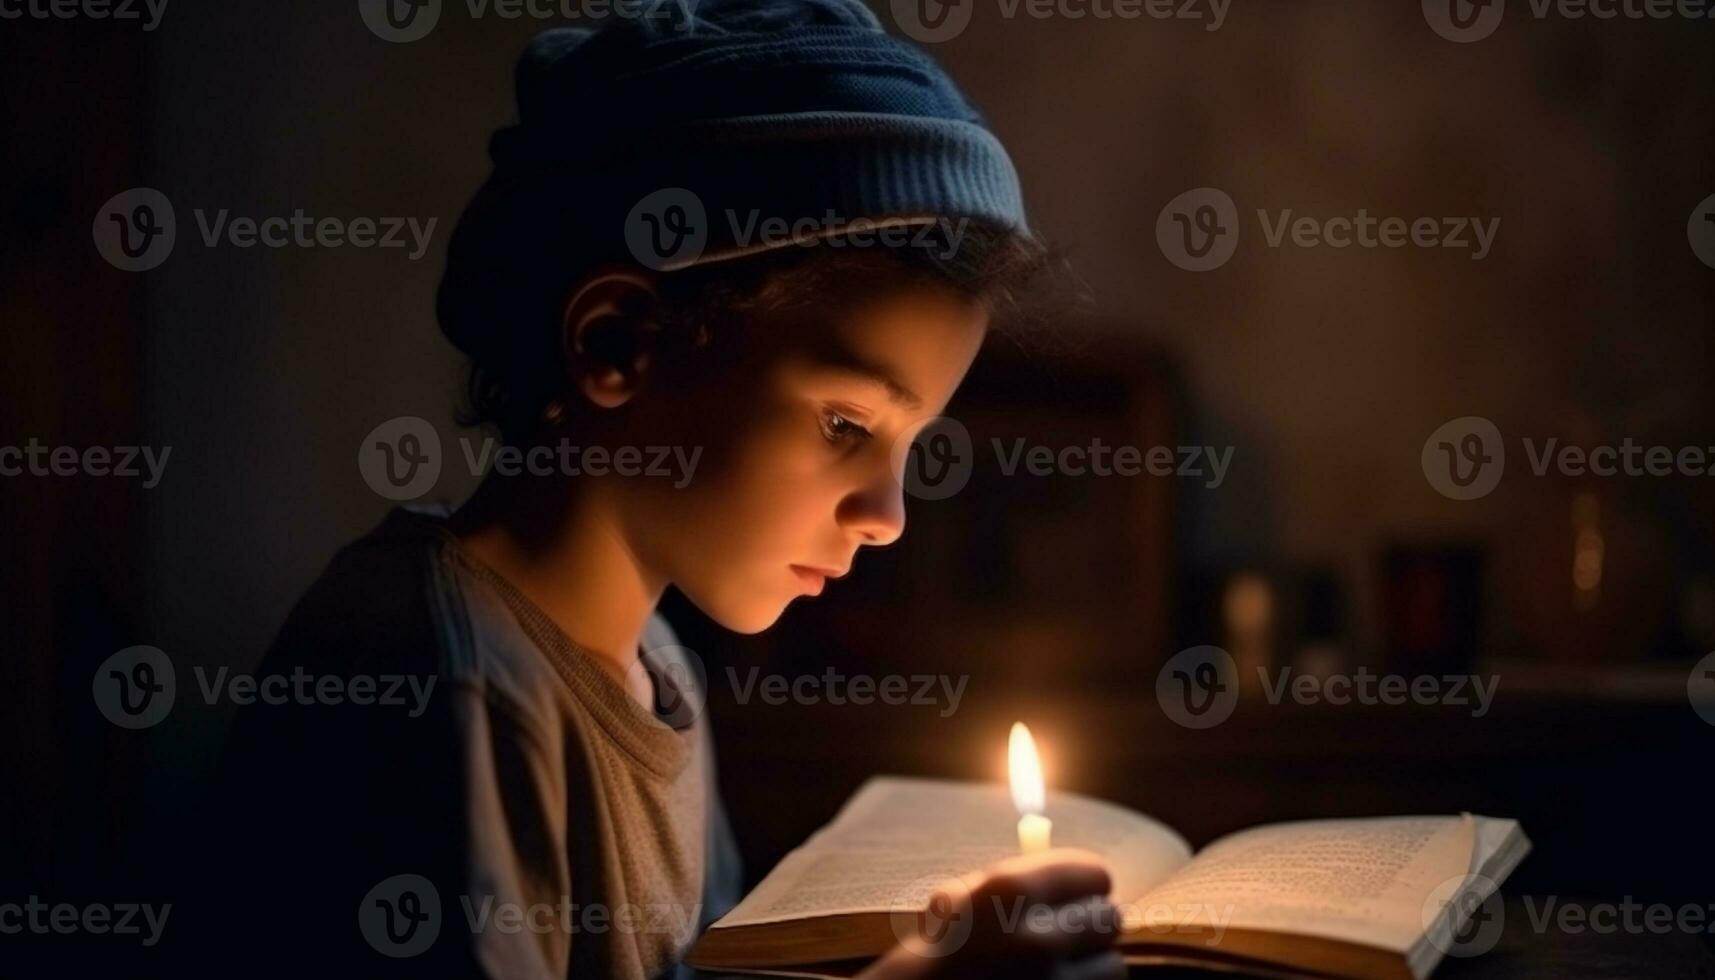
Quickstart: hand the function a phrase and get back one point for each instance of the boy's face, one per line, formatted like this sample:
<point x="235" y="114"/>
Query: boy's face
<point x="800" y="432"/>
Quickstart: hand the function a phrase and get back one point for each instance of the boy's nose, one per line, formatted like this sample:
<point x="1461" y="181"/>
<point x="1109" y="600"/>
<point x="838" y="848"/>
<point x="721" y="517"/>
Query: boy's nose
<point x="875" y="513"/>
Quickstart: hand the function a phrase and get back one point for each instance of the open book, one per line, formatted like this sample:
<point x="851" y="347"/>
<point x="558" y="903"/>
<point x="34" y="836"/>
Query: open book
<point x="1373" y="898"/>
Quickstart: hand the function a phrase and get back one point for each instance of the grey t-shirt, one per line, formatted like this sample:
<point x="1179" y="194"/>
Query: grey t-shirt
<point x="515" y="814"/>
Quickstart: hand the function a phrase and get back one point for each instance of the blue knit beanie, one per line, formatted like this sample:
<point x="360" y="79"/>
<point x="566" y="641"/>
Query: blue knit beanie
<point x="711" y="121"/>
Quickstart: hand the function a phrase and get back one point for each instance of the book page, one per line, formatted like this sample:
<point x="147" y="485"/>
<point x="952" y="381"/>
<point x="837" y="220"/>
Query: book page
<point x="898" y="839"/>
<point x="1362" y="881"/>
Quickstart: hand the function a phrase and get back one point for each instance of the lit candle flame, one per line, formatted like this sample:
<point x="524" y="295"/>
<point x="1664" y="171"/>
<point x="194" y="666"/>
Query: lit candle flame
<point x="1025" y="770"/>
<point x="1034" y="829"/>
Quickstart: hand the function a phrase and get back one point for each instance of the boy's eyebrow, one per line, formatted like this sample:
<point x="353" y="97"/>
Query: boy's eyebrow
<point x="844" y="359"/>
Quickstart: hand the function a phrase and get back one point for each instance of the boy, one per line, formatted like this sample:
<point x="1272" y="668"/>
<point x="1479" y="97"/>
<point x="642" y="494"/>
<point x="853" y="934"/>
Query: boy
<point x="541" y="778"/>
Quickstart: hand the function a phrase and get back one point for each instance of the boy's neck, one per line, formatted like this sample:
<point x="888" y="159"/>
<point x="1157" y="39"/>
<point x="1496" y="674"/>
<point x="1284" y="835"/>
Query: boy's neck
<point x="561" y="546"/>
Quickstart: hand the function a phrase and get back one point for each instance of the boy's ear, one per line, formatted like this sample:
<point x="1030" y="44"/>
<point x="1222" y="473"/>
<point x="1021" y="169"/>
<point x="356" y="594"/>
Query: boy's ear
<point x="607" y="334"/>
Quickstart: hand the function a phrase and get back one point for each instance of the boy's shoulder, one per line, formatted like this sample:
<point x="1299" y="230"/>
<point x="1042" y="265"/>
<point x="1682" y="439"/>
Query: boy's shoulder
<point x="402" y="600"/>
<point x="368" y="610"/>
<point x="405" y="601"/>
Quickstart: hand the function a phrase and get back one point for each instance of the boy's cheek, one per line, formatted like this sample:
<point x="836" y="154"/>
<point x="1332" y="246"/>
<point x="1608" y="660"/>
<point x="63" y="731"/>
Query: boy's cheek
<point x="774" y="461"/>
<point x="742" y="582"/>
<point x="734" y="441"/>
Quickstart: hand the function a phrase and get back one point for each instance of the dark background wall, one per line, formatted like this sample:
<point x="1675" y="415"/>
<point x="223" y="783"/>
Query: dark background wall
<point x="1324" y="371"/>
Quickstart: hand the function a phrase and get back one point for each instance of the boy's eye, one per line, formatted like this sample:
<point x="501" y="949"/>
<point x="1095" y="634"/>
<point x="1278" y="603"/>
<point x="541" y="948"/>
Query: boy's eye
<point x="838" y="428"/>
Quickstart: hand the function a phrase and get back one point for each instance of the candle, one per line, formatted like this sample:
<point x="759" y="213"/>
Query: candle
<point x="1034" y="830"/>
<point x="1028" y="795"/>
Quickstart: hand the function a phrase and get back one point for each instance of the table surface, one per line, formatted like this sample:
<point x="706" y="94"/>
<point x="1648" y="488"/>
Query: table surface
<point x="1529" y="952"/>
<point x="1526" y="951"/>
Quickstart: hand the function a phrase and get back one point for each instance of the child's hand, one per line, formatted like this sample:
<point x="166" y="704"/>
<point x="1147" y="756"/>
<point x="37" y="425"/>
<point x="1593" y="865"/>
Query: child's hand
<point x="1027" y="918"/>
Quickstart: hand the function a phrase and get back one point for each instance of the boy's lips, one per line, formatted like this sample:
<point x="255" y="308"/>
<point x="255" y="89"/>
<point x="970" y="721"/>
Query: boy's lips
<point x="814" y="578"/>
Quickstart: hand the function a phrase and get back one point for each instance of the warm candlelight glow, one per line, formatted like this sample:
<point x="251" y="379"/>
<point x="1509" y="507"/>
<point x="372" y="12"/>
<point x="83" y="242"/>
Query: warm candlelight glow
<point x="1028" y="793"/>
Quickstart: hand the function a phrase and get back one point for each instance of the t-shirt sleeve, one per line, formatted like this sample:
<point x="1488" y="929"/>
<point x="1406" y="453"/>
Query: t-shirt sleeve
<point x="517" y="884"/>
<point x="412" y="836"/>
<point x="422" y="847"/>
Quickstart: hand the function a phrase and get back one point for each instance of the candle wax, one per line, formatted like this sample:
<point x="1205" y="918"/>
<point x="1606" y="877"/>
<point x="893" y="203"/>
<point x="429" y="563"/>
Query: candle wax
<point x="1034" y="830"/>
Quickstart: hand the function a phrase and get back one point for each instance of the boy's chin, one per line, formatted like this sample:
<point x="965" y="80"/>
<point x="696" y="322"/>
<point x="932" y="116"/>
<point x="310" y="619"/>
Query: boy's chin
<point x="751" y="620"/>
<point x="748" y="614"/>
